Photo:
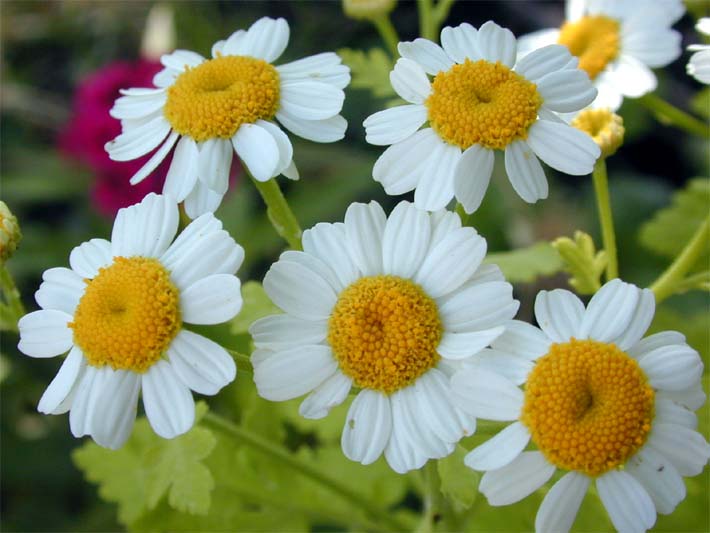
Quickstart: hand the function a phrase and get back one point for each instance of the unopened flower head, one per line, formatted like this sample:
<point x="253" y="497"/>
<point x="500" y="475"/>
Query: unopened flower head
<point x="699" y="64"/>
<point x="391" y="306"/>
<point x="368" y="9"/>
<point x="10" y="234"/>
<point x="600" y="402"/>
<point x="480" y="100"/>
<point x="119" y="312"/>
<point x="617" y="43"/>
<point x="210" y="108"/>
<point x="604" y="126"/>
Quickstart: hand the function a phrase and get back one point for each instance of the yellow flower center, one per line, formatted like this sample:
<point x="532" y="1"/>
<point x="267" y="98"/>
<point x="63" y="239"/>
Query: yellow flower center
<point x="605" y="127"/>
<point x="213" y="99"/>
<point x="594" y="40"/>
<point x="588" y="406"/>
<point x="384" y="331"/>
<point x="482" y="103"/>
<point x="128" y="315"/>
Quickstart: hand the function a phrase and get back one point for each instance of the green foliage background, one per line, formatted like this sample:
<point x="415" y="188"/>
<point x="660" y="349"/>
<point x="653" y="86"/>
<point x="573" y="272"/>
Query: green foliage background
<point x="202" y="481"/>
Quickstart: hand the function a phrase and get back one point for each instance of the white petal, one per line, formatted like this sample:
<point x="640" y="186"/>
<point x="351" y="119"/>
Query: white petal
<point x="320" y="131"/>
<point x="563" y="147"/>
<point x="266" y="39"/>
<point x="653" y="48"/>
<point x="282" y="141"/>
<point x="542" y="61"/>
<point x="258" y="150"/>
<point x="311" y="100"/>
<point x="631" y="77"/>
<point x="521" y="338"/>
<point x="364" y="227"/>
<point x="218" y="48"/>
<point x="292" y="373"/>
<point x="417" y="418"/>
<point x="325" y="67"/>
<point x="497" y="44"/>
<point x="451" y="262"/>
<point x="500" y="450"/>
<point x="657" y="340"/>
<point x="405" y="240"/>
<point x="63" y="383"/>
<point x="166" y="77"/>
<point x="145" y="229"/>
<point x="525" y="172"/>
<point x="486" y="395"/>
<point x="699" y="66"/>
<point x="214" y="162"/>
<point x="136" y="142"/>
<point x="692" y="398"/>
<point x="536" y="40"/>
<point x="180" y="59"/>
<point x="281" y="331"/>
<point x="138" y="106"/>
<point x="659" y="477"/>
<point x="609" y="311"/>
<point x="672" y="368"/>
<point x="367" y="427"/>
<point x="299" y="291"/>
<point x="685" y="448"/>
<point x="45" y="333"/>
<point x="409" y="81"/>
<point x="328" y="242"/>
<point x="512" y="367"/>
<point x="399" y="168"/>
<point x="472" y="176"/>
<point x="155" y="159"/>
<point x="313" y="263"/>
<point x="87" y="258"/>
<point x="200" y="363"/>
<point x="462" y="345"/>
<point x="395" y="124"/>
<point x="331" y="393"/>
<point x="628" y="504"/>
<point x="608" y="95"/>
<point x="436" y="185"/>
<point x="211" y="300"/>
<point x="427" y="54"/>
<point x="478" y="306"/>
<point x="560" y="506"/>
<point x="518" y="479"/>
<point x="234" y="45"/>
<point x="401" y="452"/>
<point x="668" y="411"/>
<point x="559" y="314"/>
<point x="61" y="289"/>
<point x="201" y="200"/>
<point x="640" y="321"/>
<point x="167" y="401"/>
<point x="291" y="172"/>
<point x="81" y="414"/>
<point x="115" y="408"/>
<point x="182" y="173"/>
<point x="565" y="91"/>
<point x="460" y="42"/>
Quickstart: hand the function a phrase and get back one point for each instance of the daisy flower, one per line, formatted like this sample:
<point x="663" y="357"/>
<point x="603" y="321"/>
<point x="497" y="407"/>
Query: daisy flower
<point x="480" y="100"/>
<point x="119" y="311"/>
<point x="617" y="43"/>
<point x="390" y="307"/>
<point x="210" y="108"/>
<point x="699" y="64"/>
<point x="600" y="403"/>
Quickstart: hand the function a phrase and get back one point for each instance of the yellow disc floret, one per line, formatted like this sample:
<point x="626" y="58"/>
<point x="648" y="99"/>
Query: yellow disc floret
<point x="482" y="103"/>
<point x="384" y="331"/>
<point x="594" y="40"/>
<point x="588" y="406"/>
<point x="605" y="127"/>
<point x="128" y="315"/>
<point x="213" y="99"/>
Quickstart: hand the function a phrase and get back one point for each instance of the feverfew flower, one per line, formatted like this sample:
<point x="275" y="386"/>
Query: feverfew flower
<point x="119" y="312"/>
<point x="480" y="100"/>
<point x="699" y="64"/>
<point x="617" y="42"/>
<point x="210" y="108"/>
<point x="391" y="307"/>
<point x="599" y="402"/>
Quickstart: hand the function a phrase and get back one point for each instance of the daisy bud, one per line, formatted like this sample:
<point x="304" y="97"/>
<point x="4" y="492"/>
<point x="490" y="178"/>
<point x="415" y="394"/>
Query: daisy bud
<point x="10" y="234"/>
<point x="367" y="9"/>
<point x="159" y="34"/>
<point x="604" y="126"/>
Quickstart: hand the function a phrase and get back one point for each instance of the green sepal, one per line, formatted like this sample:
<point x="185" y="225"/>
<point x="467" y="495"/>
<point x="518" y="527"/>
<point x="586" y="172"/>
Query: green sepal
<point x="582" y="261"/>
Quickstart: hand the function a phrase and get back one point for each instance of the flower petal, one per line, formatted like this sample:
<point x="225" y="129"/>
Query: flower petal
<point x="63" y="383"/>
<point x="115" y="409"/>
<point x="331" y="393"/>
<point x="61" y="289"/>
<point x="399" y="168"/>
<point x="368" y="426"/>
<point x="500" y="450"/>
<point x="145" y="229"/>
<point x="628" y="504"/>
<point x="299" y="291"/>
<point x="543" y="61"/>
<point x="281" y="331"/>
<point x="560" y="506"/>
<point x="486" y="395"/>
<point x="563" y="147"/>
<point x="609" y="312"/>
<point x="182" y="174"/>
<point x="325" y="67"/>
<point x="516" y="480"/>
<point x="395" y="124"/>
<point x="310" y="100"/>
<point x="138" y="141"/>
<point x="405" y="240"/>
<point x="631" y="77"/>
<point x="200" y="363"/>
<point x="320" y="131"/>
<point x="672" y="368"/>
<point x="87" y="258"/>
<point x="214" y="162"/>
<point x="640" y="321"/>
<point x="460" y="42"/>
<point x="525" y="172"/>
<point x="565" y="91"/>
<point x="477" y="306"/>
<point x="462" y="345"/>
<point x="284" y="144"/>
<point x="258" y="150"/>
<point x="657" y="340"/>
<point x="497" y="44"/>
<point x="409" y="81"/>
<point x="659" y="477"/>
<point x="436" y="185"/>
<point x="167" y="401"/>
<point x="559" y="314"/>
<point x="523" y="339"/>
<point x="266" y="39"/>
<point x="364" y="227"/>
<point x="45" y="333"/>
<point x="427" y="54"/>
<point x="211" y="300"/>
<point x="472" y="176"/>
<point x="201" y="200"/>
<point x="328" y="242"/>
<point x="685" y="448"/>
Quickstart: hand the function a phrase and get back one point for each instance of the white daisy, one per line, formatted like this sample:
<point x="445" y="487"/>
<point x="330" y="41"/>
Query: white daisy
<point x="699" y="64"/>
<point x="390" y="307"/>
<point x="210" y="108"/>
<point x="119" y="312"/>
<point x="599" y="402"/>
<point x="617" y="42"/>
<point x="480" y="101"/>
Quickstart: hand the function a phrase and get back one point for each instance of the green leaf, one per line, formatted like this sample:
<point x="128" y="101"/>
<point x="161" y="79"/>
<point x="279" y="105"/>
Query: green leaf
<point x="525" y="265"/>
<point x="582" y="261"/>
<point x="458" y="482"/>
<point x="671" y="228"/>
<point x="369" y="70"/>
<point x="256" y="305"/>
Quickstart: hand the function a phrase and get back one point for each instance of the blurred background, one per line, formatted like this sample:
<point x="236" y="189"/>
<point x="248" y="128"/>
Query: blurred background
<point x="62" y="65"/>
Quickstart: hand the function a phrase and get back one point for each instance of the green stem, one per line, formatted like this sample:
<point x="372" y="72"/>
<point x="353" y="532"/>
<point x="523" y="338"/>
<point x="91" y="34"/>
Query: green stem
<point x="441" y="11"/>
<point x="388" y="33"/>
<point x="601" y="188"/>
<point x="432" y="497"/>
<point x="461" y="212"/>
<point x="426" y="20"/>
<point x="279" y="212"/>
<point x="243" y="362"/>
<point x="668" y="282"/>
<point x="669" y="114"/>
<point x="285" y="457"/>
<point x="13" y="309"/>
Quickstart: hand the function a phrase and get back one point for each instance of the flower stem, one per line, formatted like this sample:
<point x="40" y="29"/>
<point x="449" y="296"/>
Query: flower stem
<point x="669" y="114"/>
<point x="426" y="20"/>
<point x="12" y="310"/>
<point x="432" y="497"/>
<point x="283" y="456"/>
<point x="606" y="221"/>
<point x="441" y="11"/>
<point x="279" y="212"/>
<point x="242" y="361"/>
<point x="388" y="33"/>
<point x="668" y="282"/>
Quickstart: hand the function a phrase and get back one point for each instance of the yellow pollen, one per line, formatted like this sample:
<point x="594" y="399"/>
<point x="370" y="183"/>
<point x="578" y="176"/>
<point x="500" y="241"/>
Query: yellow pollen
<point x="588" y="406"/>
<point x="605" y="127"/>
<point x="384" y="331"/>
<point x="482" y="103"/>
<point x="594" y="40"/>
<point x="213" y="99"/>
<point x="128" y="315"/>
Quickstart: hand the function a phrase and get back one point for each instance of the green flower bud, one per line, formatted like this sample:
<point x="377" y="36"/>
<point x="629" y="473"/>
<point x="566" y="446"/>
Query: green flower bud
<point x="10" y="234"/>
